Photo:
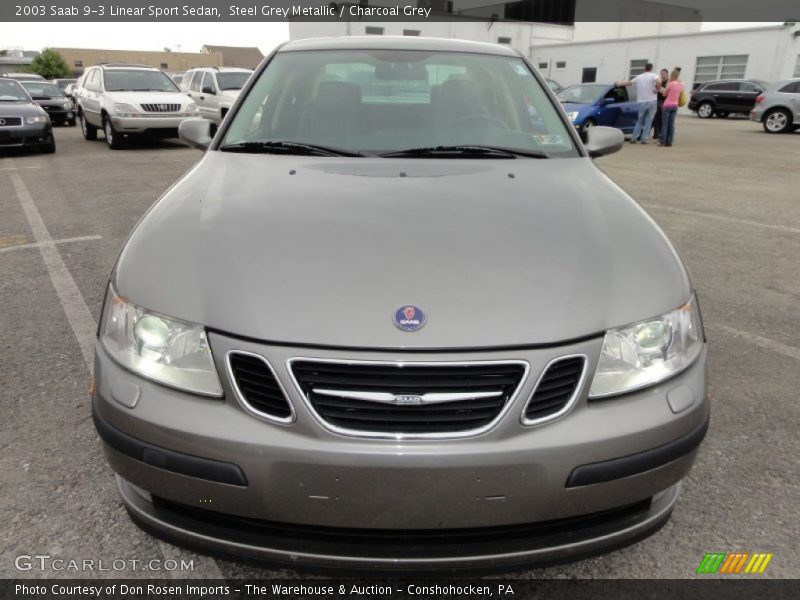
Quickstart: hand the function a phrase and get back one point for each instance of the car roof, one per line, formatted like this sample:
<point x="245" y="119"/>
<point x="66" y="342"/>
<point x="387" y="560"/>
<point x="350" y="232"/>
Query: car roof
<point x="396" y="42"/>
<point x="126" y="67"/>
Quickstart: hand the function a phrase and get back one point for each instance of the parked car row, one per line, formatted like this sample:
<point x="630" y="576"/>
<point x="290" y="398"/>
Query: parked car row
<point x="124" y="100"/>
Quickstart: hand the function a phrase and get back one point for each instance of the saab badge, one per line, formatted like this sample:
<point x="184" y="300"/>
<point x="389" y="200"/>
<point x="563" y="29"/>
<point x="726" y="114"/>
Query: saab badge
<point x="409" y="318"/>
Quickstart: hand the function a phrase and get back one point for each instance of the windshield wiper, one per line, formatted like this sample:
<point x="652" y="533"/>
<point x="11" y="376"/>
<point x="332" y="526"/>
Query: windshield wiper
<point x="285" y="147"/>
<point x="472" y="151"/>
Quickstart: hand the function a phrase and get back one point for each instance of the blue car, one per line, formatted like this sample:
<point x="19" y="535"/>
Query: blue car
<point x="590" y="104"/>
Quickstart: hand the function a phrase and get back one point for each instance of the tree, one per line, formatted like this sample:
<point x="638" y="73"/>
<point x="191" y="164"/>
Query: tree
<point x="50" y="65"/>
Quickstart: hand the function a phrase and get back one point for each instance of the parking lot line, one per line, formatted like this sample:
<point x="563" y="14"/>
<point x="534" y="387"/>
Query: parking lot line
<point x="765" y="343"/>
<point x="83" y="238"/>
<point x="697" y="213"/>
<point x="84" y="327"/>
<point x="78" y="315"/>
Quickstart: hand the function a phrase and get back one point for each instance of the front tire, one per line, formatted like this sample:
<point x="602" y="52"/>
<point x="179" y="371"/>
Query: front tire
<point x="113" y="137"/>
<point x="777" y="120"/>
<point x="89" y="131"/>
<point x="705" y="110"/>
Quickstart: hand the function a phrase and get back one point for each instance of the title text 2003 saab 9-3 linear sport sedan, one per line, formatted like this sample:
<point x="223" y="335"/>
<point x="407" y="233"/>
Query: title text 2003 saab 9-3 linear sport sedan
<point x="397" y="318"/>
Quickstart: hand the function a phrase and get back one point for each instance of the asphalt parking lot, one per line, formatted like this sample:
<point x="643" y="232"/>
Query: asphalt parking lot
<point x="727" y="194"/>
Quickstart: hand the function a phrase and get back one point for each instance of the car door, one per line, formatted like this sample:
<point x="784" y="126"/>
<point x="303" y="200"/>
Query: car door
<point x="90" y="98"/>
<point x="209" y="98"/>
<point x="724" y="95"/>
<point x="745" y="100"/>
<point x="617" y="110"/>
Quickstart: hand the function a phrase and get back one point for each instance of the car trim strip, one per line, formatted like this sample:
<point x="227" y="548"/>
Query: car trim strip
<point x="633" y="464"/>
<point x="169" y="460"/>
<point x="389" y="398"/>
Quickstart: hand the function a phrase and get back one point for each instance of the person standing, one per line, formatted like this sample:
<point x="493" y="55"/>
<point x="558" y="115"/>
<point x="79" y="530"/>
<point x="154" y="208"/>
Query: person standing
<point x="659" y="103"/>
<point x="672" y="94"/>
<point x="647" y="85"/>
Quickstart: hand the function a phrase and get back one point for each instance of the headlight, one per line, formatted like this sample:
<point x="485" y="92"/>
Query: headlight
<point x="645" y="353"/>
<point x="125" y="110"/>
<point x="191" y="108"/>
<point x="37" y="119"/>
<point x="68" y="105"/>
<point x="572" y="115"/>
<point x="163" y="349"/>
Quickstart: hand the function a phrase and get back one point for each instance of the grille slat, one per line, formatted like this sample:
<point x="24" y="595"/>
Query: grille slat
<point x="258" y="386"/>
<point x="556" y="387"/>
<point x="442" y="418"/>
<point x="159" y="107"/>
<point x="11" y="121"/>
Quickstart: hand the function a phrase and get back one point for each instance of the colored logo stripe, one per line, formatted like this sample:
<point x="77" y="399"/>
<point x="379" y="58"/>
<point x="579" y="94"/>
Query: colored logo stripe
<point x="721" y="562"/>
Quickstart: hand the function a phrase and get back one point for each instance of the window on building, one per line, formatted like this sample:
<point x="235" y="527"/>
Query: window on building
<point x="561" y="64"/>
<point x="589" y="75"/>
<point x="543" y="65"/>
<point x="411" y="32"/>
<point x="637" y="67"/>
<point x="79" y="63"/>
<point x="709" y="68"/>
<point x="503" y="40"/>
<point x="797" y="67"/>
<point x="374" y="30"/>
<point x="164" y="66"/>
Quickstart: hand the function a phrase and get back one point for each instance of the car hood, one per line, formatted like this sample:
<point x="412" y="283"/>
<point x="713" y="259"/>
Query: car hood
<point x="325" y="250"/>
<point x="56" y="101"/>
<point x="581" y="109"/>
<point x="19" y="109"/>
<point x="149" y="97"/>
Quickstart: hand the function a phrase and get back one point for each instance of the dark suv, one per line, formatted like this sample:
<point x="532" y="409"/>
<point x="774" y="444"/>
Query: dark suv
<point x="724" y="97"/>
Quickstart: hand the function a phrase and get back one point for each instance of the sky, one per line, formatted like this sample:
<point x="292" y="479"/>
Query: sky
<point x="179" y="37"/>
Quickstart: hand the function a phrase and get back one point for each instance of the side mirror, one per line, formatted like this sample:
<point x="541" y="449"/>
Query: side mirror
<point x="601" y="141"/>
<point x="195" y="132"/>
<point x="207" y="89"/>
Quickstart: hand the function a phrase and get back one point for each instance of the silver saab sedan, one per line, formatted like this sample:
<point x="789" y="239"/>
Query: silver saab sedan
<point x="396" y="318"/>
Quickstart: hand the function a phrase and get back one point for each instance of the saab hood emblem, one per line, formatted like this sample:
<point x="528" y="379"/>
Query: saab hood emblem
<point x="409" y="318"/>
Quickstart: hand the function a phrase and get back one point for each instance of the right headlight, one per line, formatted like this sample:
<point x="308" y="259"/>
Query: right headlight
<point x="121" y="109"/>
<point x="644" y="353"/>
<point x="166" y="350"/>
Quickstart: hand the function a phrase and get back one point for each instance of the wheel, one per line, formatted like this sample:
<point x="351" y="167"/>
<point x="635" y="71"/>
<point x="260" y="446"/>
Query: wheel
<point x="705" y="110"/>
<point x="113" y="138"/>
<point x="777" y="120"/>
<point x="89" y="131"/>
<point x="49" y="147"/>
<point x="722" y="114"/>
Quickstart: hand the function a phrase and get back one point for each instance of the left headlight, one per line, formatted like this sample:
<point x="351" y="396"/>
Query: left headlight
<point x="572" y="115"/>
<point x="647" y="352"/>
<point x="191" y="108"/>
<point x="68" y="105"/>
<point x="166" y="350"/>
<point x="37" y="119"/>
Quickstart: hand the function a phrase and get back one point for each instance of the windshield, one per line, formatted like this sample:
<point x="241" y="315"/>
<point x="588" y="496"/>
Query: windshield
<point x="232" y="81"/>
<point x="43" y="90"/>
<point x="582" y="94"/>
<point x="387" y="101"/>
<point x="11" y="91"/>
<point x="138" y="80"/>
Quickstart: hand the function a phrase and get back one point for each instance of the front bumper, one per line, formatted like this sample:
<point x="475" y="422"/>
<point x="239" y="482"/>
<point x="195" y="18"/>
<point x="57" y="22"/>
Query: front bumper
<point x="25" y="135"/>
<point x="602" y="456"/>
<point x="151" y="122"/>
<point x="60" y="115"/>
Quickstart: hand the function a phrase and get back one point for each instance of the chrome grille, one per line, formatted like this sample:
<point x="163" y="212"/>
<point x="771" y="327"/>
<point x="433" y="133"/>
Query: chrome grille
<point x="257" y="388"/>
<point x="161" y="107"/>
<point x="389" y="399"/>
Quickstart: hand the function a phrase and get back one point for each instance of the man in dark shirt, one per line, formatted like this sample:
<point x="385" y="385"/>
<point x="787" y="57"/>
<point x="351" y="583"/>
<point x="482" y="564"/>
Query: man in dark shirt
<point x="660" y="100"/>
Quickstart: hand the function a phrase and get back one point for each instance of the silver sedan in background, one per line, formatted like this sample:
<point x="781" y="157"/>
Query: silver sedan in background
<point x="778" y="108"/>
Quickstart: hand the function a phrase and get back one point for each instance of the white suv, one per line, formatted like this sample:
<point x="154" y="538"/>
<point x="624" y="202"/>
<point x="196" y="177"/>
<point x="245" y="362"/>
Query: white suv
<point x="214" y="89"/>
<point x="124" y="99"/>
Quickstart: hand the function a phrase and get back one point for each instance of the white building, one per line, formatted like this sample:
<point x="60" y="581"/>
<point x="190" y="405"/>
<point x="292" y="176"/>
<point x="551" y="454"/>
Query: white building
<point x="770" y="53"/>
<point x="522" y="35"/>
